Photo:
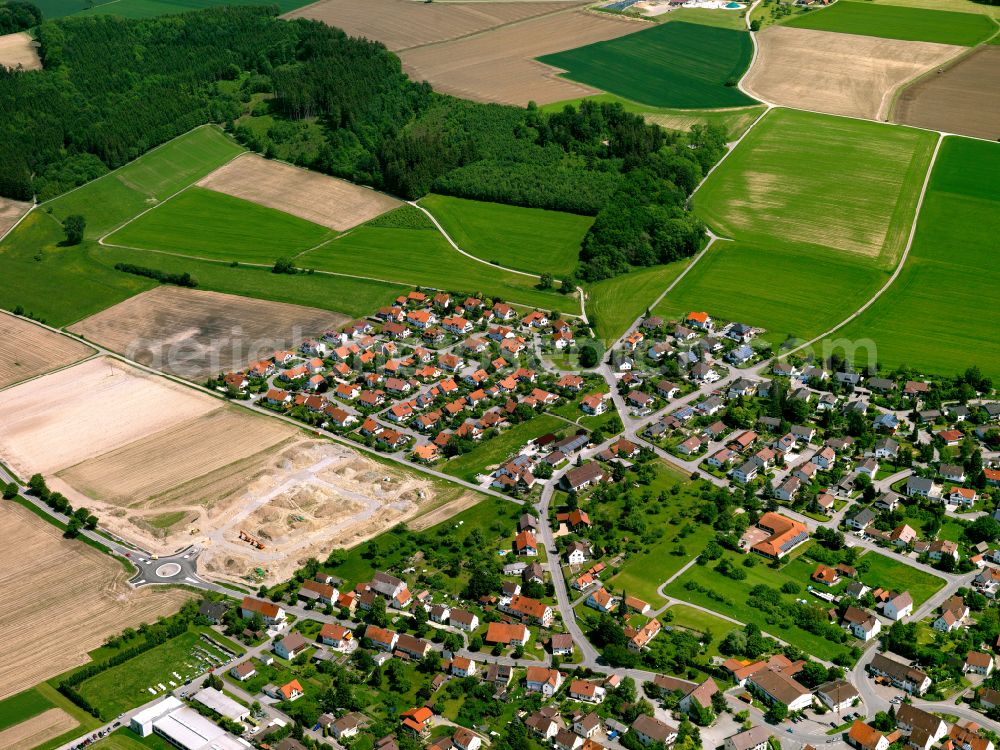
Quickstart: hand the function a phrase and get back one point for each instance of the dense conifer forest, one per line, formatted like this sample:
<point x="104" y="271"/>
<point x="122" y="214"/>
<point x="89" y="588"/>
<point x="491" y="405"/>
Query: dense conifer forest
<point x="113" y="88"/>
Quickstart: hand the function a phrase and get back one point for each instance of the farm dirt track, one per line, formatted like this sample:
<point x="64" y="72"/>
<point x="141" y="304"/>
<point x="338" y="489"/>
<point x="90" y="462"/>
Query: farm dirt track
<point x="964" y="99"/>
<point x="27" y="350"/>
<point x="841" y="74"/>
<point x="327" y="201"/>
<point x="10" y="212"/>
<point x="19" y="49"/>
<point x="499" y="65"/>
<point x="36" y="730"/>
<point x="402" y="24"/>
<point x="197" y="334"/>
<point x="41" y="636"/>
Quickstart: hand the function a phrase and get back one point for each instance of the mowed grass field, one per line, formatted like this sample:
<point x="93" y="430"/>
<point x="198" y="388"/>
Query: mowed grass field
<point x="883" y="571"/>
<point x="65" y="284"/>
<point x="898" y="22"/>
<point x="207" y="224"/>
<point x="801" y="180"/>
<point x="422" y="256"/>
<point x="526" y="239"/>
<point x="614" y="304"/>
<point x="941" y="315"/>
<point x="781" y="289"/>
<point x="676" y="64"/>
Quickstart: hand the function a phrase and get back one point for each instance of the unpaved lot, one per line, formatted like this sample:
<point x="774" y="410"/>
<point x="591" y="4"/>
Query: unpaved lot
<point x="28" y="350"/>
<point x="11" y="211"/>
<point x="964" y="99"/>
<point x="67" y="417"/>
<point x="36" y="730"/>
<point x="327" y="201"/>
<point x="19" y="51"/>
<point x="841" y="74"/>
<point x="62" y="599"/>
<point x="196" y="334"/>
<point x="402" y="24"/>
<point x="499" y="65"/>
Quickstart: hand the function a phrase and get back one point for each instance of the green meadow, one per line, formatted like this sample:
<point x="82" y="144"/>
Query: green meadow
<point x="898" y="22"/>
<point x="526" y="239"/>
<point x="940" y="315"/>
<point x="490" y="453"/>
<point x="207" y="224"/>
<point x="676" y="64"/>
<point x="614" y="304"/>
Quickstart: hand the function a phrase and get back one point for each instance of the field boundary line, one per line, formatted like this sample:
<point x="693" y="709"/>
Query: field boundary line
<point x="14" y="226"/>
<point x="887" y="113"/>
<point x="899" y="267"/>
<point x="712" y="239"/>
<point x="730" y="148"/>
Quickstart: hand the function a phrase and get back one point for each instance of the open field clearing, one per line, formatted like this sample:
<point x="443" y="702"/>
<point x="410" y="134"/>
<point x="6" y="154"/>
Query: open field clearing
<point x="940" y="315"/>
<point x="678" y="64"/>
<point x="64" y="418"/>
<point x="402" y="24"/>
<point x="10" y="212"/>
<point x="801" y="180"/>
<point x="499" y="66"/>
<point x="327" y="201"/>
<point x="528" y="239"/>
<point x="207" y="224"/>
<point x="614" y="304"/>
<point x="423" y="257"/>
<point x="965" y="99"/>
<point x="36" y="730"/>
<point x="842" y="74"/>
<point x="779" y="289"/>
<point x="19" y="51"/>
<point x="196" y="334"/>
<point x="42" y="636"/>
<point x="350" y="296"/>
<point x="899" y="22"/>
<point x="27" y="350"/>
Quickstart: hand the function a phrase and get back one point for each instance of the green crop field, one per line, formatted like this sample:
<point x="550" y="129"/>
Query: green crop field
<point x="148" y="8"/>
<point x="17" y="708"/>
<point x="941" y="315"/>
<point x="526" y="239"/>
<point x="126" y="739"/>
<point x="489" y="453"/>
<point x="118" y="196"/>
<point x="780" y="289"/>
<point x="424" y="257"/>
<point x="887" y="573"/>
<point x="801" y="180"/>
<point x="357" y="297"/>
<point x="677" y="64"/>
<point x="898" y="22"/>
<point x="207" y="224"/>
<point x="614" y="304"/>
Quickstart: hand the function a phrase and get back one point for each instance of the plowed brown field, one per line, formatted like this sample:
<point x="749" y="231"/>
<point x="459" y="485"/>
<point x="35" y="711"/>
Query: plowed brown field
<point x="402" y="24"/>
<point x="61" y="600"/>
<point x="499" y="65"/>
<point x="28" y="350"/>
<point x="36" y="730"/>
<point x="327" y="201"/>
<point x="196" y="334"/>
<point x="840" y="74"/>
<point x="965" y="99"/>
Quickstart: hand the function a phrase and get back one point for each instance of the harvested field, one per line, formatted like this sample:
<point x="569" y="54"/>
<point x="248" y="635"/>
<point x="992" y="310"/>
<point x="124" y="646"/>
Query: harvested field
<point x="403" y="24"/>
<point x="443" y="512"/>
<point x="37" y="729"/>
<point x="28" y="350"/>
<point x="499" y="66"/>
<point x="65" y="418"/>
<point x="964" y="99"/>
<point x="19" y="51"/>
<point x="841" y="74"/>
<point x="41" y="635"/>
<point x="10" y="212"/>
<point x="327" y="201"/>
<point x="139" y="473"/>
<point x="196" y="334"/>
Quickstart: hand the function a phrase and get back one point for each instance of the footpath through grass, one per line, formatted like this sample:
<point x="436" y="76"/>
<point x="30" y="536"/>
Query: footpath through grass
<point x="527" y="239"/>
<point x="898" y="22"/>
<point x="941" y="314"/>
<point x="676" y="64"/>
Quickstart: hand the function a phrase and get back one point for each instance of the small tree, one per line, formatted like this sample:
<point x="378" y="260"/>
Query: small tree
<point x="545" y="282"/>
<point x="74" y="226"/>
